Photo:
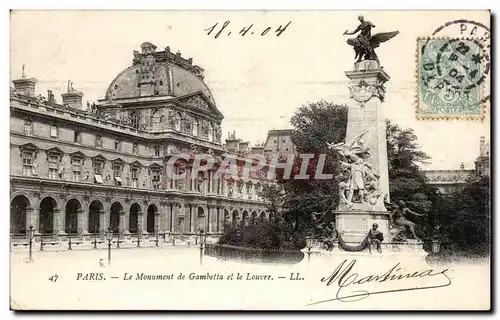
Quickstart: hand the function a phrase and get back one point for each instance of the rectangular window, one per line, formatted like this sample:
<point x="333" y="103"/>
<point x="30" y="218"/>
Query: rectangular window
<point x="156" y="179"/>
<point x="53" y="165"/>
<point x="76" y="165"/>
<point x="97" y="167"/>
<point x="98" y="141"/>
<point x="157" y="151"/>
<point x="28" y="126"/>
<point x="117" y="170"/>
<point x="77" y="138"/>
<point x="27" y="163"/>
<point x="135" y="177"/>
<point x="53" y="131"/>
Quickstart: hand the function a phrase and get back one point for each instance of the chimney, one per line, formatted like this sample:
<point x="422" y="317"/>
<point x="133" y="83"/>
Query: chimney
<point x="258" y="149"/>
<point x="72" y="98"/>
<point x="25" y="86"/>
<point x="462" y="166"/>
<point x="243" y="146"/>
<point x="232" y="144"/>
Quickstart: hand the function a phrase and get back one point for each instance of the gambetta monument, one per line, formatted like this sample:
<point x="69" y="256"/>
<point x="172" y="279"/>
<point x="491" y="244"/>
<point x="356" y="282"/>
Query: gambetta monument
<point x="364" y="181"/>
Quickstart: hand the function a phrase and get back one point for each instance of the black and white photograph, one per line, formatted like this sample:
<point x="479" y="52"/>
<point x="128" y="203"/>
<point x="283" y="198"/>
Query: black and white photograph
<point x="250" y="160"/>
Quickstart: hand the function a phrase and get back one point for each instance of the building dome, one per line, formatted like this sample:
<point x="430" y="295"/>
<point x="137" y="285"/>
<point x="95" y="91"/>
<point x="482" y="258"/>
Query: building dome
<point x="158" y="73"/>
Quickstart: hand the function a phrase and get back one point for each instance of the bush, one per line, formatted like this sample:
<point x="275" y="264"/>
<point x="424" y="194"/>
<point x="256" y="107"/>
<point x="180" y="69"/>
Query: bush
<point x="264" y="234"/>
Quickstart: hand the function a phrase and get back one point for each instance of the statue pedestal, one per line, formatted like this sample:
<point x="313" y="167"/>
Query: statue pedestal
<point x="409" y="253"/>
<point x="354" y="225"/>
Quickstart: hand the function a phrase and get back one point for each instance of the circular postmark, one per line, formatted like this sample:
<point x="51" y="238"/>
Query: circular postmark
<point x="451" y="74"/>
<point x="470" y="29"/>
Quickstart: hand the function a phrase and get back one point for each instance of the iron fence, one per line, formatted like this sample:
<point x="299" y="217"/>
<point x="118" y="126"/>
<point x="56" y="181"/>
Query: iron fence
<point x="253" y="254"/>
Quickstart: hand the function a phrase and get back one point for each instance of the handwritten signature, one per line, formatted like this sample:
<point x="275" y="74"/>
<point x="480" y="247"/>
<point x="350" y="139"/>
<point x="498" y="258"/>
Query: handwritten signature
<point x="344" y="276"/>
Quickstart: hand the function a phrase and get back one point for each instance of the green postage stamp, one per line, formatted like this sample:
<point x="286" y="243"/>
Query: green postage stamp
<point x="450" y="78"/>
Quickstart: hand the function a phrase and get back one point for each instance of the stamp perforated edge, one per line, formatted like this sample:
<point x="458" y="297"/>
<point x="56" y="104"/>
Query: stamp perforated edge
<point x="419" y="116"/>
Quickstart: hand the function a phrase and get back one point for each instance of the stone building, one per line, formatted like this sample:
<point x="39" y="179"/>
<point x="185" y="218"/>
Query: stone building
<point x="450" y="181"/>
<point x="81" y="169"/>
<point x="280" y="141"/>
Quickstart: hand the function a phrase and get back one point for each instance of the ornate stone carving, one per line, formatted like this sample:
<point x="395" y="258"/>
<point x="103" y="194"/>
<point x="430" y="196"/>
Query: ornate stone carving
<point x="362" y="92"/>
<point x="217" y="132"/>
<point x="358" y="185"/>
<point x="197" y="102"/>
<point x="36" y="194"/>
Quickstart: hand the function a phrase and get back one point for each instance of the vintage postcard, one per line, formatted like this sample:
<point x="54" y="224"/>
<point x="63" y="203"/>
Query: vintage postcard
<point x="250" y="160"/>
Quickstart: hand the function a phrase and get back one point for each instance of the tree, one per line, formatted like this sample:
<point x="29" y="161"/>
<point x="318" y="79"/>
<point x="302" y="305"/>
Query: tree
<point x="406" y="181"/>
<point x="464" y="218"/>
<point x="314" y="125"/>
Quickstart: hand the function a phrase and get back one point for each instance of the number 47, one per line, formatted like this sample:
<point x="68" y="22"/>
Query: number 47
<point x="54" y="278"/>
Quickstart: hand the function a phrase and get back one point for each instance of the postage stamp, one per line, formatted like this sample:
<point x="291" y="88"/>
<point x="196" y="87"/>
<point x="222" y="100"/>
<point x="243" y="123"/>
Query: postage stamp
<point x="450" y="78"/>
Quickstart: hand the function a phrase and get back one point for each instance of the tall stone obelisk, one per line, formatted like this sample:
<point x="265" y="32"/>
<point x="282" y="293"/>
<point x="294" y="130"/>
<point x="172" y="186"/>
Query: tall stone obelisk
<point x="366" y="145"/>
<point x="367" y="93"/>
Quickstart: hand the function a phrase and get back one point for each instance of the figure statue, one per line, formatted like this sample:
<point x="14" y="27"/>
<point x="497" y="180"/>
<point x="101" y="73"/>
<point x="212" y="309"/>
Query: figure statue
<point x="137" y="58"/>
<point x="356" y="179"/>
<point x="375" y="237"/>
<point x="354" y="149"/>
<point x="61" y="170"/>
<point x="86" y="175"/>
<point x="34" y="168"/>
<point x="50" y="97"/>
<point x="398" y="217"/>
<point x="364" y="44"/>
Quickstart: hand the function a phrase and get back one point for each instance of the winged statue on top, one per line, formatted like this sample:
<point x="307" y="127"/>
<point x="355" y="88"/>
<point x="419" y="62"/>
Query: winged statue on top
<point x="364" y="43"/>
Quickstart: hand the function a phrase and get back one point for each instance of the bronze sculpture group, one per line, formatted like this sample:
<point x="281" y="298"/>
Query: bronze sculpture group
<point x="364" y="44"/>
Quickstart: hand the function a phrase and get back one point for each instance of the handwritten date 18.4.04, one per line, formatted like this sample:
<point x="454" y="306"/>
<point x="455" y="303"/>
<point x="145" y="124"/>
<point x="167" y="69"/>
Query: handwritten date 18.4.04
<point x="225" y="29"/>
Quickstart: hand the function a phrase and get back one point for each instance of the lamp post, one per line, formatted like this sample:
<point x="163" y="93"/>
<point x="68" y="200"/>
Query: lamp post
<point x="30" y="235"/>
<point x="118" y="239"/>
<point x="309" y="245"/>
<point x="95" y="238"/>
<point x="69" y="237"/>
<point x="109" y="237"/>
<point x="201" y="245"/>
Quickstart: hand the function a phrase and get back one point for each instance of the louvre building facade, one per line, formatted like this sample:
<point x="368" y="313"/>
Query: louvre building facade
<point x="83" y="169"/>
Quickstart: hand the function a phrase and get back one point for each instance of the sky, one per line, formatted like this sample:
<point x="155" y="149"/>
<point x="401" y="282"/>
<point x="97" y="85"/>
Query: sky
<point x="258" y="82"/>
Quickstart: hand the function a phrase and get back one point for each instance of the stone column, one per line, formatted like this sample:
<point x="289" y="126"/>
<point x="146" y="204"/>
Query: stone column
<point x="161" y="218"/>
<point x="191" y="226"/>
<point x="157" y="222"/>
<point x="183" y="215"/>
<point x="58" y="221"/>
<point x="121" y="222"/>
<point x="365" y="115"/>
<point x="126" y="221"/>
<point x="140" y="223"/>
<point x="168" y="217"/>
<point x="32" y="219"/>
<point x="103" y="225"/>
<point x="213" y="220"/>
<point x="79" y="219"/>
<point x="85" y="220"/>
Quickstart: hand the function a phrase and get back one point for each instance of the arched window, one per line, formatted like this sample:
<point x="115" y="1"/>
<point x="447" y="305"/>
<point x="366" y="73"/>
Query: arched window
<point x="156" y="121"/>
